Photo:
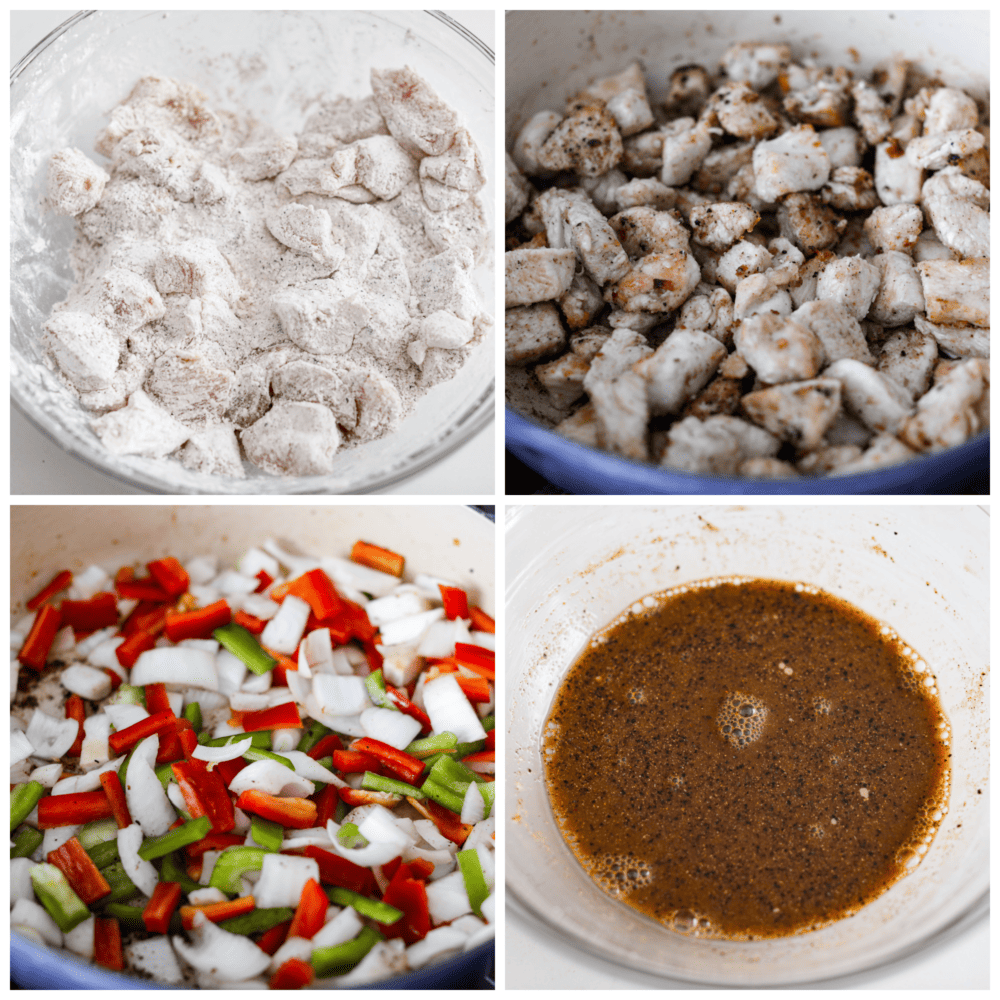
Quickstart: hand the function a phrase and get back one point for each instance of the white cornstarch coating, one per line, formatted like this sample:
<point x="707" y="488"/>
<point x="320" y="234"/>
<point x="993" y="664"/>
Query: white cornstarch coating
<point x="773" y="268"/>
<point x="244" y="294"/>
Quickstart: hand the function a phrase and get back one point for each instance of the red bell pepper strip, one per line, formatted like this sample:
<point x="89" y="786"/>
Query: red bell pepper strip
<point x="357" y="618"/>
<point x="228" y="769"/>
<point x="214" y="842"/>
<point x="73" y="809"/>
<point x="265" y="581"/>
<point x="145" y="589"/>
<point x="374" y="557"/>
<point x="362" y="797"/>
<point x="133" y="647"/>
<point x="373" y="655"/>
<point x="284" y="716"/>
<point x="311" y="911"/>
<point x="197" y="624"/>
<point x="335" y="870"/>
<point x="476" y="658"/>
<point x="205" y="794"/>
<point x="160" y="908"/>
<point x="481" y="621"/>
<point x="88" y="616"/>
<point x="108" y="944"/>
<point x="58" y="583"/>
<point x="115" y="678"/>
<point x="482" y="757"/>
<point x="82" y="874"/>
<point x="126" y="739"/>
<point x="157" y="700"/>
<point x="112" y="786"/>
<point x="476" y="689"/>
<point x="404" y="766"/>
<point x="326" y="746"/>
<point x="300" y="814"/>
<point x="270" y="941"/>
<point x="318" y="591"/>
<point x="491" y="740"/>
<point x="35" y="650"/>
<point x="171" y="748"/>
<point x="188" y="740"/>
<point x="293" y="974"/>
<point x="410" y="896"/>
<point x="75" y="710"/>
<point x="217" y="912"/>
<point x="399" y="699"/>
<point x="448" y="823"/>
<point x="170" y="575"/>
<point x="354" y="762"/>
<point x="253" y="625"/>
<point x="456" y="602"/>
<point x="326" y="804"/>
<point x="146" y="616"/>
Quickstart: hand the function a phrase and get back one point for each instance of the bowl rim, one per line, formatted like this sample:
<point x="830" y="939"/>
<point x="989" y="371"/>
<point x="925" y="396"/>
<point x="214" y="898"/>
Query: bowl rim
<point x="479" y="414"/>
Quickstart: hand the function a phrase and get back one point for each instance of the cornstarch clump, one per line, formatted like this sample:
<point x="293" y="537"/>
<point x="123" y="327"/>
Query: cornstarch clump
<point x="243" y="294"/>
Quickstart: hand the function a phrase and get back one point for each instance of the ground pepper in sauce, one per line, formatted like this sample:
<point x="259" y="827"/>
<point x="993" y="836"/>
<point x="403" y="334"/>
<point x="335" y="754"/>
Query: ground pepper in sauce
<point x="747" y="759"/>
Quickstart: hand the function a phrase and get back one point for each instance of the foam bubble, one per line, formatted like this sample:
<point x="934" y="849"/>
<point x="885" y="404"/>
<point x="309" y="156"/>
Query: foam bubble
<point x="741" y="718"/>
<point x="620" y="874"/>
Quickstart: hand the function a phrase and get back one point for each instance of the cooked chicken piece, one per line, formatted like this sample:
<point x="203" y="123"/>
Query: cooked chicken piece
<point x="685" y="145"/>
<point x="896" y="179"/>
<point x="850" y="189"/>
<point x="533" y="333"/>
<point x="844" y="146"/>
<point x="581" y="302"/>
<point x="825" y="102"/>
<point x="809" y="224"/>
<point x="962" y="340"/>
<point x="586" y="141"/>
<point x="908" y="357"/>
<point x="793" y="161"/>
<point x="958" y="208"/>
<point x="957" y="291"/>
<point x="929" y="247"/>
<point x="889" y="80"/>
<point x="720" y="396"/>
<point x="622" y="415"/>
<point x="778" y="348"/>
<point x="886" y="449"/>
<point x="797" y="412"/>
<point x="852" y="282"/>
<point x="617" y="355"/>
<point x="530" y="140"/>
<point x="688" y="91"/>
<point x="878" y="401"/>
<point x="741" y="187"/>
<point x="734" y="366"/>
<point x="631" y="111"/>
<point x="517" y="191"/>
<point x="643" y="154"/>
<point x="718" y="226"/>
<point x="720" y="166"/>
<point x="716" y="446"/>
<point x="586" y="343"/>
<point x="537" y="275"/>
<point x="826" y="460"/>
<point x="711" y="312"/>
<point x="595" y="242"/>
<point x="742" y="112"/>
<point x="946" y="415"/>
<point x="739" y="261"/>
<point x="762" y="293"/>
<point x="837" y="330"/>
<point x="758" y="63"/>
<point x="803" y="287"/>
<point x="660" y="282"/>
<point x="603" y="190"/>
<point x="872" y="114"/>
<point x="900" y="296"/>
<point x="894" y="228"/>
<point x="563" y="378"/>
<point x="644" y="191"/>
<point x="644" y="230"/>
<point x="630" y="78"/>
<point x="581" y="427"/>
<point x="949" y="109"/>
<point x="943" y="149"/>
<point x="680" y="366"/>
<point x="640" y="322"/>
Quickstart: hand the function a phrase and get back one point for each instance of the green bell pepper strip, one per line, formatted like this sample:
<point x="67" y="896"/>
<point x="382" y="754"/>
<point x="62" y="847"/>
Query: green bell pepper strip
<point x="267" y="833"/>
<point x="260" y="739"/>
<point x="27" y="841"/>
<point x="173" y="840"/>
<point x="98" y="831"/>
<point x="103" y="854"/>
<point x="232" y="863"/>
<point x="24" y="798"/>
<point x="431" y="745"/>
<point x="329" y="961"/>
<point x="122" y="887"/>
<point x="443" y="796"/>
<point x="341" y="811"/>
<point x="254" y="754"/>
<point x="128" y="694"/>
<point x="326" y="762"/>
<point x="451" y="774"/>
<point x="488" y="723"/>
<point x="165" y="774"/>
<point x="381" y="912"/>
<point x="244" y="646"/>
<point x="258" y="921"/>
<point x="130" y="917"/>
<point x="55" y="894"/>
<point x="192" y="713"/>
<point x="373" y="782"/>
<point x="377" y="692"/>
<point x="464" y="749"/>
<point x="313" y="735"/>
<point x="475" y="882"/>
<point x="488" y="791"/>
<point x="350" y="836"/>
<point x="123" y="770"/>
<point x="171" y="870"/>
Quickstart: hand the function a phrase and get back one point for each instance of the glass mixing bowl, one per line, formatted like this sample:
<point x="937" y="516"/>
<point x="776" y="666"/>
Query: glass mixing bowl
<point x="581" y="45"/>
<point x="921" y="570"/>
<point x="455" y="541"/>
<point x="275" y="62"/>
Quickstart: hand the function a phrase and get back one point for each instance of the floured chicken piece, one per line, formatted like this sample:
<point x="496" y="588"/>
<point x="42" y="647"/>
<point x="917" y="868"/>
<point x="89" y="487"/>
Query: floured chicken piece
<point x="245" y="295"/>
<point x="771" y="269"/>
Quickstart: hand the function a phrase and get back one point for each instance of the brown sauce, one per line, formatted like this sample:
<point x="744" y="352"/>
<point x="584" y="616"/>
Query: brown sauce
<point x="747" y="759"/>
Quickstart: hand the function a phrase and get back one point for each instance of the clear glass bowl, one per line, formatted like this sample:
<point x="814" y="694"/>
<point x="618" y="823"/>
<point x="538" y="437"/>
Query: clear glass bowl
<point x="580" y="45"/>
<point x="274" y="62"/>
<point x="922" y="570"/>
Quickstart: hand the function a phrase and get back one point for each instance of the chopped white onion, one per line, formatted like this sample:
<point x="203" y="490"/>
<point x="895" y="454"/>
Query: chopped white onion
<point x="147" y="801"/>
<point x="142" y="873"/>
<point x="473" y="806"/>
<point x="447" y="898"/>
<point x="51" y="737"/>
<point x="389" y="726"/>
<point x="201" y="569"/>
<point x="88" y="584"/>
<point x="282" y="877"/>
<point x="87" y="682"/>
<point x="346" y="573"/>
<point x="409" y="630"/>
<point x="103" y="654"/>
<point x="284" y="631"/>
<point x="438" y="942"/>
<point x="338" y="695"/>
<point x="179" y="665"/>
<point x="21" y="747"/>
<point x="271" y="777"/>
<point x="394" y="606"/>
<point x="344" y="927"/>
<point x="450" y="711"/>
<point x="226" y="956"/>
<point x="216" y="755"/>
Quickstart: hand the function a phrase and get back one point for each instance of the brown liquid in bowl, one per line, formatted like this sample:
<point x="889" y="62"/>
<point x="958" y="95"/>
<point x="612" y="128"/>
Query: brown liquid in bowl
<point x="747" y="760"/>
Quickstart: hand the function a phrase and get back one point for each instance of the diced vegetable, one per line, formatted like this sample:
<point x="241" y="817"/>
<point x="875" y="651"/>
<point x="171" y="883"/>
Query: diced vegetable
<point x="55" y="894"/>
